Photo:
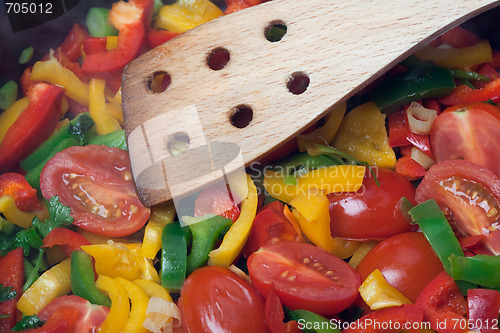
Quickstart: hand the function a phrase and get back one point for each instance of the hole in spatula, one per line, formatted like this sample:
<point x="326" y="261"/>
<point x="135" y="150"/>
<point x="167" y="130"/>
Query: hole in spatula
<point x="159" y="82"/>
<point x="275" y="31"/>
<point x="241" y="116"/>
<point x="218" y="59"/>
<point x="298" y="83"/>
<point x="178" y="143"/>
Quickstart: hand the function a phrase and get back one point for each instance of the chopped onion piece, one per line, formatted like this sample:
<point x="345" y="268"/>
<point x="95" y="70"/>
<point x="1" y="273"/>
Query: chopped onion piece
<point x="161" y="315"/>
<point x="240" y="273"/>
<point x="421" y="158"/>
<point x="420" y="119"/>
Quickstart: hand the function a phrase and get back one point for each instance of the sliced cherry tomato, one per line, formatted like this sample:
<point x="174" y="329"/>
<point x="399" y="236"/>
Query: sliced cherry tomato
<point x="469" y="132"/>
<point x="67" y="239"/>
<point x="95" y="182"/>
<point x="214" y="299"/>
<point x="473" y="245"/>
<point x="11" y="275"/>
<point x="214" y="200"/>
<point x="89" y="316"/>
<point x="373" y="212"/>
<point x="271" y="225"/>
<point x="305" y="277"/>
<point x="16" y="186"/>
<point x="63" y="320"/>
<point x="469" y="196"/>
<point x="406" y="261"/>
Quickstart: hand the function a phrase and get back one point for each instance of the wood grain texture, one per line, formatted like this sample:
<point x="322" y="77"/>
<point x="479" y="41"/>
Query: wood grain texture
<point x="341" y="45"/>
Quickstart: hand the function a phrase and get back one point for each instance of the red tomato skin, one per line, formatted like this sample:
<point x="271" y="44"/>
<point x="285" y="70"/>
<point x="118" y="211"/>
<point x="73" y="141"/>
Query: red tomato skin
<point x="16" y="186"/>
<point x="373" y="211"/>
<point x="305" y="277"/>
<point x="11" y="275"/>
<point x="407" y="262"/>
<point x="101" y="174"/>
<point x="214" y="299"/>
<point x="483" y="308"/>
<point x="67" y="239"/>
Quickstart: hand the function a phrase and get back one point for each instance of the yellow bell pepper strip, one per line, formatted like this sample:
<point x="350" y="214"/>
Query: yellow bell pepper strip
<point x="361" y="252"/>
<point x="379" y="294"/>
<point x="120" y="307"/>
<point x="186" y="14"/>
<point x="457" y="57"/>
<point x="9" y="116"/>
<point x="104" y="122"/>
<point x="160" y="216"/>
<point x="362" y="134"/>
<point x="111" y="42"/>
<point x="53" y="72"/>
<point x="51" y="284"/>
<point x="312" y="211"/>
<point x="13" y="214"/>
<point x="236" y="237"/>
<point x="326" y="133"/>
<point x="139" y="301"/>
<point x="115" y="111"/>
<point x="336" y="178"/>
<point x="153" y="289"/>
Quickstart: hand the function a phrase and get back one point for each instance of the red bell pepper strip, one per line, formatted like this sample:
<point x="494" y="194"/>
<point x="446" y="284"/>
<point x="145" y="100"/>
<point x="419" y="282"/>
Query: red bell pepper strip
<point x="157" y="37"/>
<point x="484" y="305"/>
<point x="11" y="275"/>
<point x="92" y="45"/>
<point x="71" y="46"/>
<point x="35" y="124"/>
<point x="458" y="37"/>
<point x="409" y="168"/>
<point x="16" y="186"/>
<point x="473" y="245"/>
<point x="67" y="239"/>
<point x="236" y="5"/>
<point x="274" y="313"/>
<point x="432" y="103"/>
<point x="26" y="81"/>
<point x="443" y="305"/>
<point x="63" y="320"/>
<point x="71" y="65"/>
<point x="397" y="129"/>
<point x="488" y="71"/>
<point x="466" y="95"/>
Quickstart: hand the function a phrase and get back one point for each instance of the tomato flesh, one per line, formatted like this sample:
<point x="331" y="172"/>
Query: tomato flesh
<point x="304" y="276"/>
<point x="96" y="183"/>
<point x="469" y="196"/>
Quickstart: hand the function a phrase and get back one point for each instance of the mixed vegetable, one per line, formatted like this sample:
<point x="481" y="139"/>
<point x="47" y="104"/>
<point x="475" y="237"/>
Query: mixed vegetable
<point x="382" y="217"/>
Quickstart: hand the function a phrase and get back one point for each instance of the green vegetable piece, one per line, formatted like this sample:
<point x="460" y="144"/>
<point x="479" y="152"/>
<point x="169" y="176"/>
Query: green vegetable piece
<point x="157" y="6"/>
<point x="26" y="55"/>
<point x="6" y="226"/>
<point x="437" y="230"/>
<point x="27" y="239"/>
<point x="173" y="256"/>
<point x="27" y="322"/>
<point x="311" y="322"/>
<point x="468" y="75"/>
<point x="29" y="268"/>
<point x="8" y="94"/>
<point x="7" y="293"/>
<point x="302" y="163"/>
<point x="414" y="85"/>
<point x="479" y="269"/>
<point x="113" y="139"/>
<point x="98" y="24"/>
<point x="33" y="276"/>
<point x="82" y="128"/>
<point x="82" y="279"/>
<point x="59" y="216"/>
<point x="205" y="233"/>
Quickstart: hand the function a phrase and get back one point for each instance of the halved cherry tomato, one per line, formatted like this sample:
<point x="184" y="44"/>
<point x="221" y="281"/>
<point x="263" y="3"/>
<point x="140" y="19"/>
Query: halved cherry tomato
<point x="89" y="316"/>
<point x="469" y="196"/>
<point x="373" y="212"/>
<point x="11" y="275"/>
<point x="96" y="183"/>
<point x="327" y="284"/>
<point x="468" y="132"/>
<point x="406" y="261"/>
<point x="214" y="299"/>
<point x="62" y="320"/>
<point x="16" y="186"/>
<point x="215" y="200"/>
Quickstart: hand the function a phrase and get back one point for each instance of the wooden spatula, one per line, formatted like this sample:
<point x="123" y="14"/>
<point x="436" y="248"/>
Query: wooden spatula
<point x="235" y="95"/>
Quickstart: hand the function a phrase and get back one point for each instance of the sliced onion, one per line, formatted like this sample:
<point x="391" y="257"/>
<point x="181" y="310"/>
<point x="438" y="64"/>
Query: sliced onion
<point x="421" y="158"/>
<point x="161" y="315"/>
<point x="420" y="119"/>
<point x="239" y="272"/>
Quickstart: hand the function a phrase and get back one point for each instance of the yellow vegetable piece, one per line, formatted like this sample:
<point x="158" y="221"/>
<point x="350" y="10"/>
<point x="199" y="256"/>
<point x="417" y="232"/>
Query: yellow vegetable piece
<point x="111" y="42"/>
<point x="378" y="293"/>
<point x="153" y="289"/>
<point x="326" y="133"/>
<point x="186" y="14"/>
<point x="115" y="111"/>
<point x="311" y="210"/>
<point x="52" y="71"/>
<point x="51" y="284"/>
<point x="104" y="122"/>
<point x="13" y="214"/>
<point x="457" y="58"/>
<point x="362" y="135"/>
<point x="9" y="116"/>
<point x="236" y="237"/>
<point x="160" y="216"/>
<point x="361" y="252"/>
<point x="120" y="307"/>
<point x="139" y="301"/>
<point x="336" y="178"/>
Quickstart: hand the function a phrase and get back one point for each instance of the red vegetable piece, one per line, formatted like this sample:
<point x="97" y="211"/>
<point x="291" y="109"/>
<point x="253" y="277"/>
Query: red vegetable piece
<point x="484" y="305"/>
<point x="67" y="239"/>
<point x="92" y="45"/>
<point x="488" y="71"/>
<point x="35" y="124"/>
<point x="397" y="129"/>
<point x="157" y="37"/>
<point x="75" y="108"/>
<point x="215" y="200"/>
<point x="71" y="46"/>
<point x="496" y="60"/>
<point x="275" y="315"/>
<point x="409" y="168"/>
<point x="16" y="186"/>
<point x="25" y="81"/>
<point x="63" y="320"/>
<point x="459" y="37"/>
<point x="235" y="5"/>
<point x="11" y="275"/>
<point x="466" y="95"/>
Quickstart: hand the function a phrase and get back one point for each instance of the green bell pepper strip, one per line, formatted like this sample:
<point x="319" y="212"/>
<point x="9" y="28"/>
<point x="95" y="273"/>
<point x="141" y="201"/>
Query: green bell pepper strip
<point x="97" y="23"/>
<point x="34" y="274"/>
<point x="205" y="233"/>
<point x="113" y="139"/>
<point x="302" y="162"/>
<point x="82" y="279"/>
<point x="311" y="322"/>
<point x="173" y="256"/>
<point x="483" y="270"/>
<point x="8" y="94"/>
<point x="414" y="85"/>
<point x="468" y="75"/>
<point x="437" y="230"/>
<point x="26" y="55"/>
